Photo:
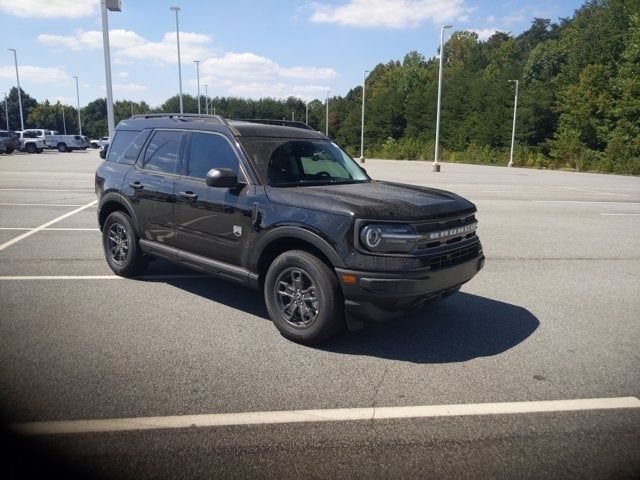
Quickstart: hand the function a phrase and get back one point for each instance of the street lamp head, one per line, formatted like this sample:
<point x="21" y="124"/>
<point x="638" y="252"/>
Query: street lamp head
<point x="175" y="9"/>
<point x="446" y="26"/>
<point x="12" y="50"/>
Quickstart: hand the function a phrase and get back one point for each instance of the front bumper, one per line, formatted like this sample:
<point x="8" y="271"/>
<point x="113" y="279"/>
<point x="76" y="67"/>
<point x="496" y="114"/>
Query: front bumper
<point x="381" y="296"/>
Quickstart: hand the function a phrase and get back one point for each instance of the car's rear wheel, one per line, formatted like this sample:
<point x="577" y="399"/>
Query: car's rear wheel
<point x="62" y="147"/>
<point x="9" y="151"/>
<point x="30" y="148"/>
<point x="121" y="247"/>
<point x="303" y="297"/>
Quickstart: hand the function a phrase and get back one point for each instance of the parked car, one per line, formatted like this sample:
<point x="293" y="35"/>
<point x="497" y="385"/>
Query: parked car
<point x="279" y="207"/>
<point x="66" y="143"/>
<point x="99" y="143"/>
<point x="33" y="140"/>
<point x="104" y="148"/>
<point x="9" y="141"/>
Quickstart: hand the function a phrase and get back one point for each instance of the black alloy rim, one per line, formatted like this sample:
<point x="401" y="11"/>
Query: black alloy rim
<point x="297" y="299"/>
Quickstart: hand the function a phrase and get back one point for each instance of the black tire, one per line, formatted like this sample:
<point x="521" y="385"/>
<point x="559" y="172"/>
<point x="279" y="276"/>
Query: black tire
<point x="121" y="247"/>
<point x="39" y="150"/>
<point x="62" y="147"/>
<point x="310" y="317"/>
<point x="30" y="148"/>
<point x="9" y="151"/>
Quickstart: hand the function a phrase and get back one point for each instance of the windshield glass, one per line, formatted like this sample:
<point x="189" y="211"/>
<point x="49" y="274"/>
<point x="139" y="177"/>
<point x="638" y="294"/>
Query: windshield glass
<point x="287" y="162"/>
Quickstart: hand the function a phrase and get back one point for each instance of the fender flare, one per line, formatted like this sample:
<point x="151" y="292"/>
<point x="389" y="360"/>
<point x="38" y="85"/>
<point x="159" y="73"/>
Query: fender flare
<point x="118" y="198"/>
<point x="298" y="233"/>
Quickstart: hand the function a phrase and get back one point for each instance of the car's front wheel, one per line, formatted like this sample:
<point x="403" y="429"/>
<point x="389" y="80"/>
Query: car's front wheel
<point x="303" y="297"/>
<point x="121" y="247"/>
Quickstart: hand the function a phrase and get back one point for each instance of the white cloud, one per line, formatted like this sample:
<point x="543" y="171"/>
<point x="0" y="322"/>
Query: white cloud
<point x="80" y="40"/>
<point x="37" y="74"/>
<point x="127" y="44"/>
<point x="389" y="13"/>
<point x="484" y="33"/>
<point x="242" y="74"/>
<point x="128" y="87"/>
<point x="274" y="90"/>
<point x="49" y="8"/>
<point x="308" y="73"/>
<point x="249" y="67"/>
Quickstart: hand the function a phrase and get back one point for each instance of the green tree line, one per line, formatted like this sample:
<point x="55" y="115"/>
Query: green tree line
<point x="578" y="108"/>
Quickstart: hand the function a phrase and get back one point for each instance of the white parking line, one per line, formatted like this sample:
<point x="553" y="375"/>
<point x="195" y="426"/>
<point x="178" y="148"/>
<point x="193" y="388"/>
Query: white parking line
<point x="43" y="190"/>
<point x="585" y="201"/>
<point x="20" y="278"/>
<point x="601" y="193"/>
<point x="620" y="214"/>
<point x="329" y="415"/>
<point x="45" y="225"/>
<point x="18" y="172"/>
<point x="39" y="205"/>
<point x="54" y="229"/>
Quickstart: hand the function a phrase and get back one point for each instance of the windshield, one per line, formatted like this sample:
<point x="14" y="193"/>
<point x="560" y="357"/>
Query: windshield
<point x="286" y="162"/>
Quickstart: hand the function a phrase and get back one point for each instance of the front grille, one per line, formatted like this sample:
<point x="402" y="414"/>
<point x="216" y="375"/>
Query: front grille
<point x="455" y="257"/>
<point x="425" y="228"/>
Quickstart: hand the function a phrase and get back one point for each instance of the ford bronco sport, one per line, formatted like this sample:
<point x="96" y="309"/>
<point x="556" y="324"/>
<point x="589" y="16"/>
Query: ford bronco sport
<point x="277" y="206"/>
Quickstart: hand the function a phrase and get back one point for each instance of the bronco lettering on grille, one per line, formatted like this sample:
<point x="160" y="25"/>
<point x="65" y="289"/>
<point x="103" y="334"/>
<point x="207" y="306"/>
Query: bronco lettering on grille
<point x="453" y="232"/>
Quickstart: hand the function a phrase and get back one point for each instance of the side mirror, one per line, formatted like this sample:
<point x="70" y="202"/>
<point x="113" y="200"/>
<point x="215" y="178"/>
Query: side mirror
<point x="222" y="178"/>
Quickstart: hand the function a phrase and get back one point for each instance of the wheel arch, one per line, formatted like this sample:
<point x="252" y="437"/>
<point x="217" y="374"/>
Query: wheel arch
<point x="283" y="239"/>
<point x="113" y="202"/>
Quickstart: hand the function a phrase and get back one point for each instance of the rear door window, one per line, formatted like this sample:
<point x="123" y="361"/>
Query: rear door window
<point x="121" y="142"/>
<point x="163" y="151"/>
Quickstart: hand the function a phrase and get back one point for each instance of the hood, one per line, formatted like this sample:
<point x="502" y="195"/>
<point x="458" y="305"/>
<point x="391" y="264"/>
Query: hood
<point x="374" y="200"/>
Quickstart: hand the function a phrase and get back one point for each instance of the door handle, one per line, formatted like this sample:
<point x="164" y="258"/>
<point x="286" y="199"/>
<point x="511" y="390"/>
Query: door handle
<point x="136" y="185"/>
<point x="189" y="195"/>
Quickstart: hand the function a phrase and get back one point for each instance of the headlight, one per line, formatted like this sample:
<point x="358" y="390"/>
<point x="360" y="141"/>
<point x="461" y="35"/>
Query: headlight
<point x="389" y="238"/>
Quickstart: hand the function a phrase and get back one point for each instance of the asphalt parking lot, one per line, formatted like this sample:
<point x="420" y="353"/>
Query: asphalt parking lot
<point x="554" y="315"/>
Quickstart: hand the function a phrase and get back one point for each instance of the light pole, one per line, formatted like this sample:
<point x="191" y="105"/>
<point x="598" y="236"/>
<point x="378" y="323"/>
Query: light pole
<point x="113" y="6"/>
<point x="15" y="60"/>
<point x="64" y="122"/>
<point x="197" y="62"/>
<point x="177" y="9"/>
<point x="306" y="113"/>
<point x="364" y="77"/>
<point x="6" y="110"/>
<point x="513" y="130"/>
<point x="78" y="99"/>
<point x="326" y="126"/>
<point x="206" y="100"/>
<point x="436" y="165"/>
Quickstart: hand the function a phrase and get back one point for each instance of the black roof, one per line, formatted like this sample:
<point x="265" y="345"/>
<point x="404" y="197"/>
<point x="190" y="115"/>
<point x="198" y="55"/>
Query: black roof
<point x="217" y="123"/>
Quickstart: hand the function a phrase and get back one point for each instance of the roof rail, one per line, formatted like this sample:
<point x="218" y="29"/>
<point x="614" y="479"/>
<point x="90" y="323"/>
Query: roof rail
<point x="219" y="118"/>
<point x="267" y="121"/>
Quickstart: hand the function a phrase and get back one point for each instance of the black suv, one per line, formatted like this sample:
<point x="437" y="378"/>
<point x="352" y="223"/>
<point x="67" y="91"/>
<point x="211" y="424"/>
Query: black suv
<point x="277" y="206"/>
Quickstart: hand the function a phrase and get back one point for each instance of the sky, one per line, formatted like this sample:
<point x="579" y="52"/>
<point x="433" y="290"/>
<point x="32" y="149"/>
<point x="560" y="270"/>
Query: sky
<point x="246" y="48"/>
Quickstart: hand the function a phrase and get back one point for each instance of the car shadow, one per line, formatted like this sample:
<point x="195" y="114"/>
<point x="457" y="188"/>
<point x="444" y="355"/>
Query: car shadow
<point x="457" y="329"/>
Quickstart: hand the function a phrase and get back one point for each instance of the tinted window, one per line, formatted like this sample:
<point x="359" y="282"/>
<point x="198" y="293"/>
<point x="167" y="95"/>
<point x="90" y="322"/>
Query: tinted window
<point x="121" y="141"/>
<point x="209" y="151"/>
<point x="131" y="153"/>
<point x="162" y="152"/>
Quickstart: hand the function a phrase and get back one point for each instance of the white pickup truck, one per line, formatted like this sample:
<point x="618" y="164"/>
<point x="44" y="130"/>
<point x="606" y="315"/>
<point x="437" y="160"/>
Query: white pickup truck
<point x="66" y="143"/>
<point x="33" y="140"/>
